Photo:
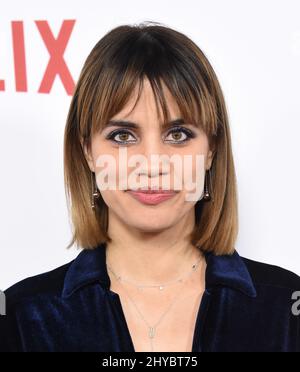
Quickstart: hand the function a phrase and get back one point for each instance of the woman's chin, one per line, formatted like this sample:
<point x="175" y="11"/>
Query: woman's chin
<point x="149" y="226"/>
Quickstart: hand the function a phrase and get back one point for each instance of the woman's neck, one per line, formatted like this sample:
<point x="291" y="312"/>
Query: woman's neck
<point x="151" y="258"/>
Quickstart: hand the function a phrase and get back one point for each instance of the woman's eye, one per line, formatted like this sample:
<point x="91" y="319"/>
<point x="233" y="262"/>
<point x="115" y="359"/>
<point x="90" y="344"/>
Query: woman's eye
<point x="176" y="136"/>
<point x="180" y="135"/>
<point x="121" y="136"/>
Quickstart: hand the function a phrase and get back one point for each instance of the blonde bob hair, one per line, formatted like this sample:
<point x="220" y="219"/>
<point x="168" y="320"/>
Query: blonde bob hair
<point x="120" y="60"/>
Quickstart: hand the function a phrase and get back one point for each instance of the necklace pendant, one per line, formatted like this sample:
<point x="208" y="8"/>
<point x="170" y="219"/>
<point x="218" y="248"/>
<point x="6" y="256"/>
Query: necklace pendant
<point x="151" y="332"/>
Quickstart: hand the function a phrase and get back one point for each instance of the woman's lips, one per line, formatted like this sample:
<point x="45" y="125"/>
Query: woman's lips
<point x="152" y="197"/>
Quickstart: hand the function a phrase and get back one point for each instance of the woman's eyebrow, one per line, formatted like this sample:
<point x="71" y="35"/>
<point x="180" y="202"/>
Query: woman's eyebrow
<point x="130" y="124"/>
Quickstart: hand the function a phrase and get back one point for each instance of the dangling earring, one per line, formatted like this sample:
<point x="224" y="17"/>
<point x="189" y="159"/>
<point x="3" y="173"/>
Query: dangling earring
<point x="95" y="191"/>
<point x="207" y="187"/>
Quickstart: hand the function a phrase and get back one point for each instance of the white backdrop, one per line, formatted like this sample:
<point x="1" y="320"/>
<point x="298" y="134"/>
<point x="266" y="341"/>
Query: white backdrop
<point x="254" y="47"/>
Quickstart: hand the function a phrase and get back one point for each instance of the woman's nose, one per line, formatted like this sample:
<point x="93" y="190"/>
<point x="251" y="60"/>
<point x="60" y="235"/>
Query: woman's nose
<point x="153" y="143"/>
<point x="156" y="157"/>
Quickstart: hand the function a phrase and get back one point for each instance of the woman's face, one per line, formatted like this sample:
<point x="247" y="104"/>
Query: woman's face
<point x="143" y="141"/>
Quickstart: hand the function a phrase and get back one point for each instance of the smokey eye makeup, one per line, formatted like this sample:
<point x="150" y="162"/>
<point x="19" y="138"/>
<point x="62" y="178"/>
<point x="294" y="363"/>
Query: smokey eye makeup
<point x="176" y="135"/>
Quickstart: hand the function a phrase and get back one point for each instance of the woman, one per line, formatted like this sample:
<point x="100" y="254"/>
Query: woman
<point x="159" y="271"/>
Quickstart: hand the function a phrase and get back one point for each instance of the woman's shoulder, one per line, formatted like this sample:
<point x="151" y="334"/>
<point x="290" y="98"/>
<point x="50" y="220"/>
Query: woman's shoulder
<point x="266" y="274"/>
<point x="50" y="282"/>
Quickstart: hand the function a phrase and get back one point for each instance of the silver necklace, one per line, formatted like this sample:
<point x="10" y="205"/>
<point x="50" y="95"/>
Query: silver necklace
<point x="152" y="328"/>
<point x="159" y="286"/>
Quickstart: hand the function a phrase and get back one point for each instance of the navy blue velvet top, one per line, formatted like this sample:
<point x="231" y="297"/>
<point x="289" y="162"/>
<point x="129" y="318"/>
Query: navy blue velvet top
<point x="246" y="307"/>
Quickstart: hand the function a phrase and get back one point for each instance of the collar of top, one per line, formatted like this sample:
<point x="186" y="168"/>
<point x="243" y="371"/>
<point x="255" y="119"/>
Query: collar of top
<point x="225" y="271"/>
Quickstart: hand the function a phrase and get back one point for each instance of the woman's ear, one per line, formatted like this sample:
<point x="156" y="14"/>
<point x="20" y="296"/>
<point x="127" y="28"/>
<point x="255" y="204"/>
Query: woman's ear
<point x="209" y="159"/>
<point x="88" y="155"/>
